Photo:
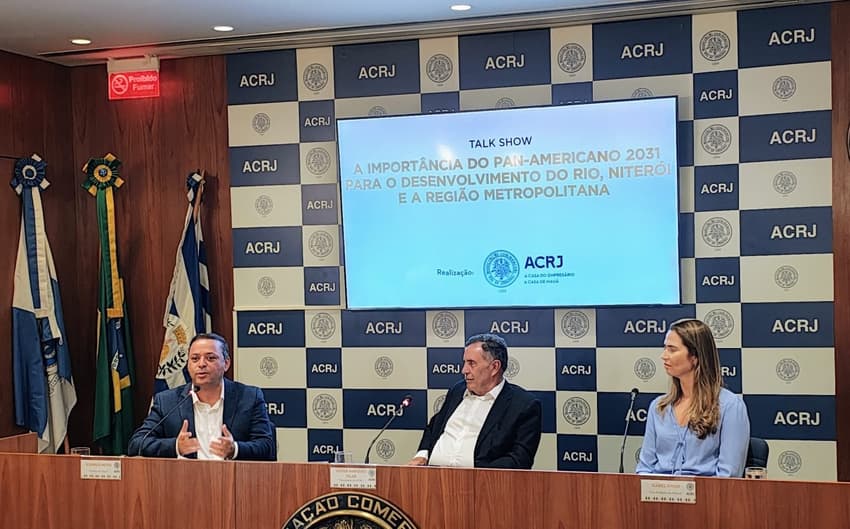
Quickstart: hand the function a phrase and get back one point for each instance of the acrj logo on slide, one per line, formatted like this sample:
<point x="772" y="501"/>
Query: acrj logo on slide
<point x="501" y="268"/>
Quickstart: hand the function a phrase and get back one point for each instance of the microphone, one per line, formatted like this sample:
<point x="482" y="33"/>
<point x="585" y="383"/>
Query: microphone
<point x="188" y="394"/>
<point x="635" y="392"/>
<point x="405" y="402"/>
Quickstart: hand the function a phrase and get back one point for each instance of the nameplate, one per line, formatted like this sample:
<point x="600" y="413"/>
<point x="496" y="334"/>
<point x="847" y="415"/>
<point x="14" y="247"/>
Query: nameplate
<point x="100" y="468"/>
<point x="345" y="477"/>
<point x="668" y="491"/>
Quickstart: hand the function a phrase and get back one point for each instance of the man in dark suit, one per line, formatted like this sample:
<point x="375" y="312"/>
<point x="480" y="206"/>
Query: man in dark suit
<point x="210" y="418"/>
<point x="485" y="420"/>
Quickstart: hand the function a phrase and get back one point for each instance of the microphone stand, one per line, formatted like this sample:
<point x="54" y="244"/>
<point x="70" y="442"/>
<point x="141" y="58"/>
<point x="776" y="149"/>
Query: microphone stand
<point x="404" y="403"/>
<point x="628" y="422"/>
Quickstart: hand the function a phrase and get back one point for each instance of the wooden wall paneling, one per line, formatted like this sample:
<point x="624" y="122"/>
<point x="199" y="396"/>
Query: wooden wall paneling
<point x="525" y="507"/>
<point x="89" y="121"/>
<point x="162" y="493"/>
<point x="434" y="496"/>
<point x="841" y="227"/>
<point x="8" y="78"/>
<point x="10" y="214"/>
<point x="9" y="226"/>
<point x="159" y="141"/>
<point x="25" y="443"/>
<point x="156" y="493"/>
<point x="35" y="117"/>
<point x="47" y="492"/>
<point x="278" y="489"/>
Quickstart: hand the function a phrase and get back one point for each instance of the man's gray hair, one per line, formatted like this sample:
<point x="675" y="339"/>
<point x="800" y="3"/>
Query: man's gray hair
<point x="493" y="345"/>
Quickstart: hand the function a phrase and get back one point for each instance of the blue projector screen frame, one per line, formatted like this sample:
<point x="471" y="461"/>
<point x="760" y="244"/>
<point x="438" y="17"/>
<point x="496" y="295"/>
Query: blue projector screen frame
<point x="558" y="206"/>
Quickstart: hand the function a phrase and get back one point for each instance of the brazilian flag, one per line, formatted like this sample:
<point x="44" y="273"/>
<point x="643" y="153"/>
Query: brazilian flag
<point x="113" y="406"/>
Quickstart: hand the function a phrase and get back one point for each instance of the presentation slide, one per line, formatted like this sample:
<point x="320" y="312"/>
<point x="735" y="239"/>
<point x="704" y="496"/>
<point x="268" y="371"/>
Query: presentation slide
<point x="555" y="206"/>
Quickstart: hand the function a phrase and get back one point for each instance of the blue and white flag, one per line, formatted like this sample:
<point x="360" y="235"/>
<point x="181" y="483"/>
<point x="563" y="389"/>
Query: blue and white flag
<point x="187" y="310"/>
<point x="44" y="388"/>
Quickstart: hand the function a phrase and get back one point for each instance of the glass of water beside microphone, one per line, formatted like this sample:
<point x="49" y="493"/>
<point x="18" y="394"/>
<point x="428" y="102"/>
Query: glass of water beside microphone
<point x="343" y="456"/>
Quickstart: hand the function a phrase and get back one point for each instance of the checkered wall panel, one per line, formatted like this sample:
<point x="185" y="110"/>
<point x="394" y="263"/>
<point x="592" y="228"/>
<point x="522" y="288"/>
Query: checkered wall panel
<point x="754" y="92"/>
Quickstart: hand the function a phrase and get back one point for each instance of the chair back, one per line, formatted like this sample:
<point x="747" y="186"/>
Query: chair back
<point x="757" y="453"/>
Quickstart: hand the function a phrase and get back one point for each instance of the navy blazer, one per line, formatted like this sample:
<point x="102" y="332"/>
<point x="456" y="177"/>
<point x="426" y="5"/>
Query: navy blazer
<point x="245" y="415"/>
<point x="509" y="436"/>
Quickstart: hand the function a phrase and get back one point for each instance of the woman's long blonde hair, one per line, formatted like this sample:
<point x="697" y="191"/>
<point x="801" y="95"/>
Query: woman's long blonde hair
<point x="704" y="410"/>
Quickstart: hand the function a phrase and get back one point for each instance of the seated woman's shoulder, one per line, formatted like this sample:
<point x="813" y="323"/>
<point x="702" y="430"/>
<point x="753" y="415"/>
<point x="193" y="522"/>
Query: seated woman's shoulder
<point x="727" y="398"/>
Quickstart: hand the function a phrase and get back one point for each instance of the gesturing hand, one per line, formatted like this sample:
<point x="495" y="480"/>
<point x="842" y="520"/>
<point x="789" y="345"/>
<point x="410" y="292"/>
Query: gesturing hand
<point x="223" y="446"/>
<point x="186" y="444"/>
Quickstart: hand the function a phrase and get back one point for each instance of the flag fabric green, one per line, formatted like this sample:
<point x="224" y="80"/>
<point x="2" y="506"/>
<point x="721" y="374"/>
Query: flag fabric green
<point x="113" y="406"/>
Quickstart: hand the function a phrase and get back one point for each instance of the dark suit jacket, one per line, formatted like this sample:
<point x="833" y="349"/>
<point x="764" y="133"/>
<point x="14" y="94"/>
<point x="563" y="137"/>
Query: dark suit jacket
<point x="244" y="414"/>
<point x="510" y="434"/>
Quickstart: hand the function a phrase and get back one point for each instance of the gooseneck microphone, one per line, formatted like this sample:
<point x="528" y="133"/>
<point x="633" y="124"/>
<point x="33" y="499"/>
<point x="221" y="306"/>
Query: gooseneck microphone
<point x="635" y="392"/>
<point x="188" y="394"/>
<point x="405" y="402"/>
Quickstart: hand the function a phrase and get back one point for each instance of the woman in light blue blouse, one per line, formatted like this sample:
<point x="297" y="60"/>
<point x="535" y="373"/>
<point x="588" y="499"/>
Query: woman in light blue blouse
<point x="698" y="427"/>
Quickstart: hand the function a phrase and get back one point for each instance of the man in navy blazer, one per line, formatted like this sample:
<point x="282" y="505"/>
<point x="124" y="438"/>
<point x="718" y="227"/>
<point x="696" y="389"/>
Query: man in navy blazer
<point x="210" y="418"/>
<point x="485" y="420"/>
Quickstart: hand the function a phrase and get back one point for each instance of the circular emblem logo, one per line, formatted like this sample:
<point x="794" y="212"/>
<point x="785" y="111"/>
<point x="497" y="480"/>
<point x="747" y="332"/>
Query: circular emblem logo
<point x="637" y="455"/>
<point x="714" y="45"/>
<point x="385" y="449"/>
<point x="261" y="123"/>
<point x="445" y="325"/>
<point x="716" y="139"/>
<point x="720" y="322"/>
<point x="505" y="102"/>
<point x="268" y="366"/>
<point x="321" y="244"/>
<point x="787" y="369"/>
<point x="575" y="324"/>
<point x="716" y="232"/>
<point x="576" y="411"/>
<point x="513" y="368"/>
<point x="790" y="462"/>
<point x="377" y="110"/>
<point x="318" y="161"/>
<point x="571" y="57"/>
<point x="384" y="366"/>
<point x="785" y="182"/>
<point x="786" y="276"/>
<point x="644" y="368"/>
<point x="784" y="87"/>
<point x="642" y="92"/>
<point x="322" y="326"/>
<point x="315" y="77"/>
<point x="266" y="286"/>
<point x="501" y="268"/>
<point x="438" y="403"/>
<point x="264" y="205"/>
<point x="349" y="510"/>
<point x="324" y="407"/>
<point x="439" y="68"/>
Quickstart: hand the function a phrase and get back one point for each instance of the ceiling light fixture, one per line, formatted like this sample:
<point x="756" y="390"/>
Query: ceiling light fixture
<point x="81" y="42"/>
<point x="223" y="28"/>
<point x="461" y="7"/>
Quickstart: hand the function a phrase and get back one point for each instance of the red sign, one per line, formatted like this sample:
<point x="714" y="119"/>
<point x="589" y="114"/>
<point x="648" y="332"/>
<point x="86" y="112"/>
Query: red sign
<point x="134" y="85"/>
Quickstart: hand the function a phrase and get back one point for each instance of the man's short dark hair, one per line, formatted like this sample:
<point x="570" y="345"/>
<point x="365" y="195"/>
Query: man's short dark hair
<point x="225" y="351"/>
<point x="492" y="344"/>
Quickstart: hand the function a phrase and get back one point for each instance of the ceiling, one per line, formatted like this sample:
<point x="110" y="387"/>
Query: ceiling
<point x="177" y="28"/>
